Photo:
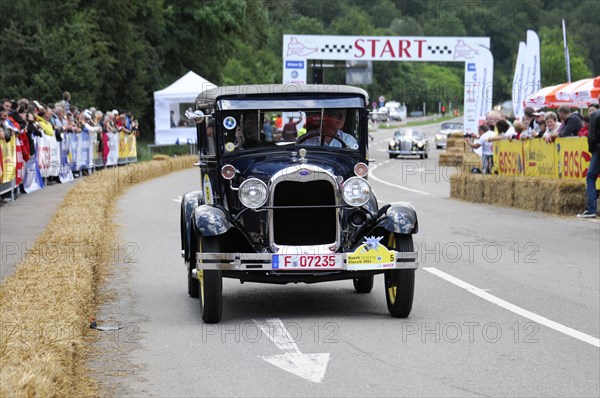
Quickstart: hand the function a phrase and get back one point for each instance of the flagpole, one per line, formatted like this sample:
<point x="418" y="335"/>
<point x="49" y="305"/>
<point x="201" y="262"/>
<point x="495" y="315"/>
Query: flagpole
<point x="567" y="60"/>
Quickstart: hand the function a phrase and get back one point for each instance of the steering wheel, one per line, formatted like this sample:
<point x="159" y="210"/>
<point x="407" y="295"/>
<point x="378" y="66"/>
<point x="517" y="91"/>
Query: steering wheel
<point x="308" y="136"/>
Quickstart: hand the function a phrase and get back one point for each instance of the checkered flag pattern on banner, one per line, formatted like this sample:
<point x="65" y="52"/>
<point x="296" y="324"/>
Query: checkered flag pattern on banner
<point x="439" y="50"/>
<point x="336" y="48"/>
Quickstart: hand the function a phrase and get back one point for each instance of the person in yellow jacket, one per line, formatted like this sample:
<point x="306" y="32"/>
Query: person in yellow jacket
<point x="43" y="120"/>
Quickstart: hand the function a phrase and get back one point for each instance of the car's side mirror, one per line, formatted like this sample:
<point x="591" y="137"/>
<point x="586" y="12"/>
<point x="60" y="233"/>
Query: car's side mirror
<point x="195" y="115"/>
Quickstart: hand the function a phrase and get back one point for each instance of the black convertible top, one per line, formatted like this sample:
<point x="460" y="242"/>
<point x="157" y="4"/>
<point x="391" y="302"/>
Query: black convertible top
<point x="208" y="97"/>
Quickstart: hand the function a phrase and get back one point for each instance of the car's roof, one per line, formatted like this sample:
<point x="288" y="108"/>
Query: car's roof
<point x="208" y="97"/>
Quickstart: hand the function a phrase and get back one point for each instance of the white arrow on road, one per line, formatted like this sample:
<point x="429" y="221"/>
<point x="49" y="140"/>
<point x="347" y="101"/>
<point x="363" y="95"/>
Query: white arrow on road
<point x="308" y="366"/>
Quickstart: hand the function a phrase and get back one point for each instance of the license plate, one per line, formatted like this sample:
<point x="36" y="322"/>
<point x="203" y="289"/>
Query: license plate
<point x="307" y="261"/>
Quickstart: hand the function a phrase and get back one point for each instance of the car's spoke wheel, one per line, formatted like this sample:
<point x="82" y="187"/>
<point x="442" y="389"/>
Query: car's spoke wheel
<point x="364" y="284"/>
<point x="400" y="283"/>
<point x="210" y="284"/>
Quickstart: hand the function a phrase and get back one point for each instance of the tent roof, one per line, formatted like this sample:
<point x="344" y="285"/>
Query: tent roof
<point x="190" y="83"/>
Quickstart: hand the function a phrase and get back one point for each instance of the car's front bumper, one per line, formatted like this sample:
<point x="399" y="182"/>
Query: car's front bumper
<point x="413" y="152"/>
<point x="271" y="262"/>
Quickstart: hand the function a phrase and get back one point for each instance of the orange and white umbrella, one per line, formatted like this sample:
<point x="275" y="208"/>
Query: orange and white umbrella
<point x="577" y="94"/>
<point x="546" y="97"/>
<point x="587" y="93"/>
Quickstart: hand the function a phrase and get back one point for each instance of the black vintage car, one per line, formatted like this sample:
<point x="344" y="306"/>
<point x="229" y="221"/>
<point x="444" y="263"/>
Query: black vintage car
<point x="295" y="210"/>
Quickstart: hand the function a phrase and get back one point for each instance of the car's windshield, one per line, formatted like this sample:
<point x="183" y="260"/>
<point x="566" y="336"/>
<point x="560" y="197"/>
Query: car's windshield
<point x="243" y="129"/>
<point x="409" y="134"/>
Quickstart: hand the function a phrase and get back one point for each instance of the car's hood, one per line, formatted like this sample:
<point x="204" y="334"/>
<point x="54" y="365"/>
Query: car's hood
<point x="264" y="166"/>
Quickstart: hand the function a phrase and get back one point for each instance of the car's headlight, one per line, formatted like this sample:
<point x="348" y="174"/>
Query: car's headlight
<point x="438" y="136"/>
<point x="420" y="144"/>
<point x="356" y="191"/>
<point x="392" y="143"/>
<point x="253" y="193"/>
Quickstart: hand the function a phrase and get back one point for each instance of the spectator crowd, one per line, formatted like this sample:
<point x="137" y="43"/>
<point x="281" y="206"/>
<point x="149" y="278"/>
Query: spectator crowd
<point x="547" y="126"/>
<point x="23" y="120"/>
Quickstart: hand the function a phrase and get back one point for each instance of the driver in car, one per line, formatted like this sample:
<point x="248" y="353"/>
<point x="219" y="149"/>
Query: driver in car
<point x="332" y="134"/>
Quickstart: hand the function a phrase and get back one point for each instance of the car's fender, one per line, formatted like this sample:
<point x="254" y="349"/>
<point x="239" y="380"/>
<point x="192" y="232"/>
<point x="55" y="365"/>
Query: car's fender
<point x="400" y="218"/>
<point x="189" y="202"/>
<point x="210" y="221"/>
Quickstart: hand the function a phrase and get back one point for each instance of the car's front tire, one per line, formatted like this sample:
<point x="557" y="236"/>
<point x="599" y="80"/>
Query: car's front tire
<point x="400" y="283"/>
<point x="363" y="284"/>
<point x="193" y="288"/>
<point x="210" y="284"/>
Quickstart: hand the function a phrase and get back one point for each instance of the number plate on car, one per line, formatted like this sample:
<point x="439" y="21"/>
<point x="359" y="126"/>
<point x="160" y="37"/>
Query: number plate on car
<point x="307" y="261"/>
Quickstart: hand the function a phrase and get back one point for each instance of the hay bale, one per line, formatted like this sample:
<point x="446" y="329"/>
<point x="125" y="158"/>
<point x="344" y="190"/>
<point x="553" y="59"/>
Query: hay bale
<point x="450" y="159"/>
<point x="498" y="190"/>
<point x="160" y="157"/>
<point x="46" y="302"/>
<point x="526" y="193"/>
<point x="456" y="143"/>
<point x="570" y="197"/>
<point x="563" y="197"/>
<point x="457" y="186"/>
<point x="469" y="161"/>
<point x="473" y="187"/>
<point x="546" y="196"/>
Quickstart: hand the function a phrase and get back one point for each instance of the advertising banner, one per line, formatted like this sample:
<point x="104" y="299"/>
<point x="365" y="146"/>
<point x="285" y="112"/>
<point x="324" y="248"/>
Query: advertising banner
<point x="565" y="158"/>
<point x="113" y="149"/>
<point x="508" y="157"/>
<point x="572" y="157"/>
<point x="9" y="160"/>
<point x="48" y="155"/>
<point x="519" y="80"/>
<point x="539" y="158"/>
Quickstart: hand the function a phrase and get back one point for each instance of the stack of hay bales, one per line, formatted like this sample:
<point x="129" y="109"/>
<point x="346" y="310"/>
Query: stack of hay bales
<point x="563" y="197"/>
<point x="47" y="302"/>
<point x="459" y="154"/>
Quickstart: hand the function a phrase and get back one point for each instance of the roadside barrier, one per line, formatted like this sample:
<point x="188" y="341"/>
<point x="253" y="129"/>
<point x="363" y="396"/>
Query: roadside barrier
<point x="77" y="152"/>
<point x="531" y="175"/>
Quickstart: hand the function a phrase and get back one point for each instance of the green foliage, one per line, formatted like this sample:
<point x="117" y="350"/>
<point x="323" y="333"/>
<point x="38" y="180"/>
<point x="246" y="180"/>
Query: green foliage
<point x="116" y="53"/>
<point x="552" y="57"/>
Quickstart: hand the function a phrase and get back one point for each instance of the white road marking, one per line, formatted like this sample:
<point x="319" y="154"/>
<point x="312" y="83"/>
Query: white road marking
<point x="516" y="309"/>
<point x="311" y="367"/>
<point x="372" y="176"/>
<point x="178" y="200"/>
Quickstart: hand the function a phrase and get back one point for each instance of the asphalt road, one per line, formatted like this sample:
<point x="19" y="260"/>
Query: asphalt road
<point x="506" y="304"/>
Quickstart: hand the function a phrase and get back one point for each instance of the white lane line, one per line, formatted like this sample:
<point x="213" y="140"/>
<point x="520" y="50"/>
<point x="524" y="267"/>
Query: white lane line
<point x="372" y="176"/>
<point x="516" y="309"/>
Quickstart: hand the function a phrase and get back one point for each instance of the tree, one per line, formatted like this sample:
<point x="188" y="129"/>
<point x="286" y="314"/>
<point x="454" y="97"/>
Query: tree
<point x="552" y="57"/>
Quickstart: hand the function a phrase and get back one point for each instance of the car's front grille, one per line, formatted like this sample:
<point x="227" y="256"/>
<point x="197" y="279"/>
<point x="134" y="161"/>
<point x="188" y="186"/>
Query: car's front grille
<point x="307" y="224"/>
<point x="405" y="145"/>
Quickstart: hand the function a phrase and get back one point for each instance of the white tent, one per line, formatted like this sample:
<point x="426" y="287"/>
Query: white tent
<point x="176" y="98"/>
